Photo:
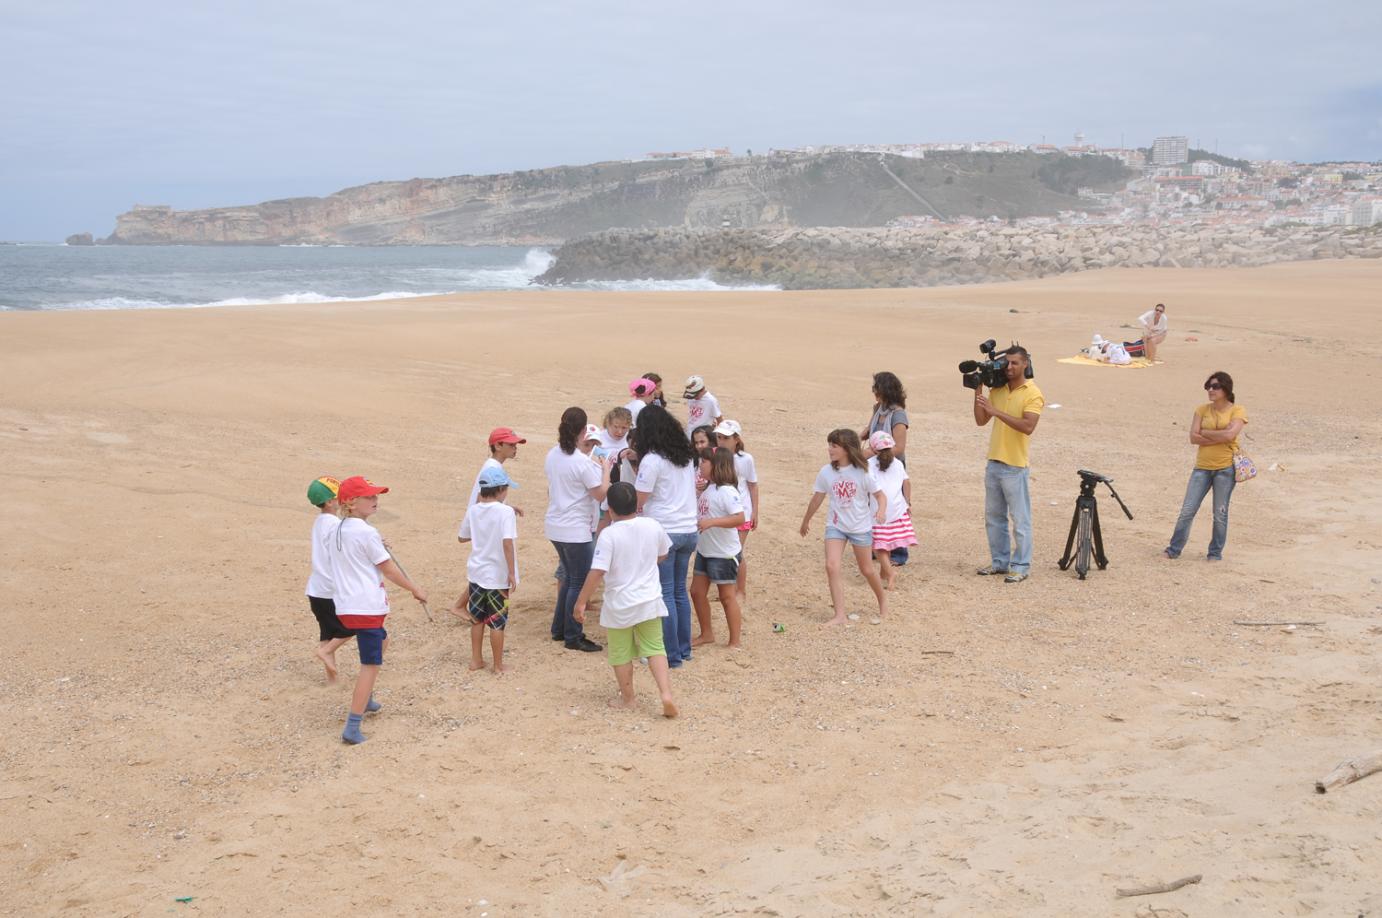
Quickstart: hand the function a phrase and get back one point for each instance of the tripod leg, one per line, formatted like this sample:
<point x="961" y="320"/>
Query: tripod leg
<point x="1099" y="557"/>
<point x="1064" y="562"/>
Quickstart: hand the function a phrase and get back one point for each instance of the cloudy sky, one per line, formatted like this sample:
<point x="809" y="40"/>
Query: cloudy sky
<point x="199" y="105"/>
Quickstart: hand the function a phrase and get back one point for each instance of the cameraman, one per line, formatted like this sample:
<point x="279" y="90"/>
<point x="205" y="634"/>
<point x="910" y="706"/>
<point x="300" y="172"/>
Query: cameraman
<point x="1016" y="406"/>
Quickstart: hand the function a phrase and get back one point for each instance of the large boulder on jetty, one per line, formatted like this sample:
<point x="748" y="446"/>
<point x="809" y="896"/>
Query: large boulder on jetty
<point x="81" y="239"/>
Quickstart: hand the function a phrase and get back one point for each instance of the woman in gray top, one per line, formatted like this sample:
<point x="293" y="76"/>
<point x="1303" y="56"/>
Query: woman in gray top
<point x="889" y="412"/>
<point x="889" y="415"/>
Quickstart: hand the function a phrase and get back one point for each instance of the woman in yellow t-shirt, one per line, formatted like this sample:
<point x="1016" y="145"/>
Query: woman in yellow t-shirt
<point x="1214" y="429"/>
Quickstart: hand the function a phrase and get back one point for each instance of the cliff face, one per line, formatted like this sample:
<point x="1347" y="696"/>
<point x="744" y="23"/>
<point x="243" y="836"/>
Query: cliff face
<point x="854" y="258"/>
<point x="550" y="205"/>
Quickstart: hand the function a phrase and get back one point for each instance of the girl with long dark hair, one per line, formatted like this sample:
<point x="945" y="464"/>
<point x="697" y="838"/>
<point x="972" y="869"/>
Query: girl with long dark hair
<point x="576" y="483"/>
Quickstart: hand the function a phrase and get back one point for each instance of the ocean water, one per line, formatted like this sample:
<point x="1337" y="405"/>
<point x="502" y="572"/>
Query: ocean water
<point x="37" y="277"/>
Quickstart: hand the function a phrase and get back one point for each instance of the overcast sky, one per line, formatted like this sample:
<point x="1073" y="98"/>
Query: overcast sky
<point x="144" y="101"/>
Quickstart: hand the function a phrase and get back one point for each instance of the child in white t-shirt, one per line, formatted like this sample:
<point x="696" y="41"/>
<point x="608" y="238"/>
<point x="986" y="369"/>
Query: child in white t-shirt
<point x="896" y="531"/>
<point x="626" y="558"/>
<point x="359" y="559"/>
<point x="719" y="513"/>
<point x="729" y="434"/>
<point x="701" y="406"/>
<point x="491" y="526"/>
<point x="503" y="446"/>
<point x="643" y="390"/>
<point x="321" y="591"/>
<point x="850" y="518"/>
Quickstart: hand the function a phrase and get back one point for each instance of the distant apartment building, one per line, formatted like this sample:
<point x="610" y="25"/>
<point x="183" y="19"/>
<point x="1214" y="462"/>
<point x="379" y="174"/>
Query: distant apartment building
<point x="1367" y="212"/>
<point x="1333" y="215"/>
<point x="1170" y="151"/>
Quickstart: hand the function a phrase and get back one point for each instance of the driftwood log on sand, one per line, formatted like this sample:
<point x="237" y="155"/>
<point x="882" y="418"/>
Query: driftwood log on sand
<point x="1274" y="624"/>
<point x="1159" y="887"/>
<point x="1349" y="771"/>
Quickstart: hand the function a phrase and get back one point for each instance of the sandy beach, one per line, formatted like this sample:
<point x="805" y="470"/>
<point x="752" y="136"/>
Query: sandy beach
<point x="169" y="734"/>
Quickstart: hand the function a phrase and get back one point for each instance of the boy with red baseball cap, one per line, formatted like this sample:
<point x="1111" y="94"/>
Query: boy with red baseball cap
<point x="503" y="446"/>
<point x="359" y="560"/>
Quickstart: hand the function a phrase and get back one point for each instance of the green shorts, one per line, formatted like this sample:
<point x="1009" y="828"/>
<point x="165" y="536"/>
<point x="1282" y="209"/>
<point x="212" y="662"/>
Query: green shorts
<point x="642" y="640"/>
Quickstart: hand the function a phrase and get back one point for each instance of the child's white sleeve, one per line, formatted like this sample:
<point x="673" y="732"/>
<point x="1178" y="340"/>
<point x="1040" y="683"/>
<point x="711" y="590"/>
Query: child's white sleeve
<point x="464" y="531"/>
<point x="733" y="503"/>
<point x="601" y="559"/>
<point x="822" y="485"/>
<point x="378" y="554"/>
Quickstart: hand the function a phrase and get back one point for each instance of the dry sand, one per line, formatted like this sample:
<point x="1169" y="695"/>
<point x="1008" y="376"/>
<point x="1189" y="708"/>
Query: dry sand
<point x="168" y="733"/>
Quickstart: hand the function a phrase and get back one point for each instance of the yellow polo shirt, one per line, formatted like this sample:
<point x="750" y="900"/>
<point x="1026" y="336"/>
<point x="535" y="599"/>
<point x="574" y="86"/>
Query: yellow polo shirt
<point x="1005" y="444"/>
<point x="1218" y="455"/>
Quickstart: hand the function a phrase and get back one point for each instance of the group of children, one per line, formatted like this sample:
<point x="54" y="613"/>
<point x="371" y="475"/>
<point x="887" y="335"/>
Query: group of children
<point x="868" y="495"/>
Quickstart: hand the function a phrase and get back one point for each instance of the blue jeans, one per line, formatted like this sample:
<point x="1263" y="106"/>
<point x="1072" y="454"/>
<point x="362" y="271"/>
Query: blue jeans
<point x="1202" y="481"/>
<point x="575" y="558"/>
<point x="676" y="627"/>
<point x="1005" y="494"/>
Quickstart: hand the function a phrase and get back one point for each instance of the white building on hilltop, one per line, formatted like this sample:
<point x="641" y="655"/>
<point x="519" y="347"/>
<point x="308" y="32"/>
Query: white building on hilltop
<point x="1170" y="151"/>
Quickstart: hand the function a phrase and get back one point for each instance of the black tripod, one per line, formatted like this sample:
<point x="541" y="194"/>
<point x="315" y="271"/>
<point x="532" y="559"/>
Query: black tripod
<point x="1084" y="525"/>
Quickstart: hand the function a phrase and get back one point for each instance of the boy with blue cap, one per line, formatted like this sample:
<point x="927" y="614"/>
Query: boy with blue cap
<point x="491" y="526"/>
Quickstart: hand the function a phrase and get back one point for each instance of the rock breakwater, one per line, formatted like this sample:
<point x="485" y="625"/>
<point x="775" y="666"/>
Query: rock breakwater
<point x="832" y="257"/>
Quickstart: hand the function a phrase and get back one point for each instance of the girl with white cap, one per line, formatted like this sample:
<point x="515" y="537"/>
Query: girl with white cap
<point x="896" y="530"/>
<point x="729" y="434"/>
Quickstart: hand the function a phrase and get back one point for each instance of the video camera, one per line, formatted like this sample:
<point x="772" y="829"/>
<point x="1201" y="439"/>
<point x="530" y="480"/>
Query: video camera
<point x="991" y="372"/>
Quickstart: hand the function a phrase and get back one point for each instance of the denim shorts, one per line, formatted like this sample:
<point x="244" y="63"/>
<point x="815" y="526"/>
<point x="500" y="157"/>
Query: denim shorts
<point x="370" y="641"/>
<point x="719" y="570"/>
<point x="859" y="539"/>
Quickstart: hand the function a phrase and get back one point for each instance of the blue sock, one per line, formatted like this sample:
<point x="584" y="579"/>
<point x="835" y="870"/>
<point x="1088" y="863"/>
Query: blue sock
<point x="372" y="706"/>
<point x="352" y="732"/>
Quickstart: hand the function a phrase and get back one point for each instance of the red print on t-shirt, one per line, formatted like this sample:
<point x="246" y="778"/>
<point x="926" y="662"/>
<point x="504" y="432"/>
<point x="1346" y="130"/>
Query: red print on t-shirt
<point x="696" y="412"/>
<point x="845" y="490"/>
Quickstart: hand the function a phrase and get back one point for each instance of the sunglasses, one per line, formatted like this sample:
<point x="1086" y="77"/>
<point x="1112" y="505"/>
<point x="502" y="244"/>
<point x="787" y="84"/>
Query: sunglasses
<point x="1212" y="385"/>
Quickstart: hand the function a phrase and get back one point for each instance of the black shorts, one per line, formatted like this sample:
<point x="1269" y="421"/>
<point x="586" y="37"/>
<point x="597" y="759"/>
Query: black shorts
<point x="330" y="626"/>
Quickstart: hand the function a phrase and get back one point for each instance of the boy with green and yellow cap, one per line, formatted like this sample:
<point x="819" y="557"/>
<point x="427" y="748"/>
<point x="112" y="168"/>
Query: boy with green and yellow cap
<point x="321" y="590"/>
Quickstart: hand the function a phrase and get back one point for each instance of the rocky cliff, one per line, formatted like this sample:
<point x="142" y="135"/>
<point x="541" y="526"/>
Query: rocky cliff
<point x="547" y="206"/>
<point x="852" y="258"/>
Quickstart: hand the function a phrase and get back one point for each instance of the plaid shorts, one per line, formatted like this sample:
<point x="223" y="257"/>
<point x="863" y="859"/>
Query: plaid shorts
<point x="488" y="607"/>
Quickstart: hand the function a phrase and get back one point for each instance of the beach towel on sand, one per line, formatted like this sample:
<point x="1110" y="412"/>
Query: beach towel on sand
<point x="1138" y="363"/>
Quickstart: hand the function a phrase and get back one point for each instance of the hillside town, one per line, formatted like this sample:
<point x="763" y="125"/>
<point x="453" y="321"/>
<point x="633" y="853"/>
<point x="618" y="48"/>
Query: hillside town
<point x="1172" y="183"/>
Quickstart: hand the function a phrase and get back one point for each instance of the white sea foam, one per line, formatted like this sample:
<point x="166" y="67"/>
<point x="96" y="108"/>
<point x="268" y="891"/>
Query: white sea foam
<point x="435" y="281"/>
<point x="120" y="302"/>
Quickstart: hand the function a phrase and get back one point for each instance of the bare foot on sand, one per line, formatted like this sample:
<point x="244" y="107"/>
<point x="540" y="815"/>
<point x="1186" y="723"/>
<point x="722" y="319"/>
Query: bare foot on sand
<point x="669" y="708"/>
<point x="734" y="645"/>
<point x="620" y="704"/>
<point x="702" y="639"/>
<point x="328" y="660"/>
<point x="476" y="665"/>
<point x="501" y="668"/>
<point x="889" y="581"/>
<point x="837" y="620"/>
